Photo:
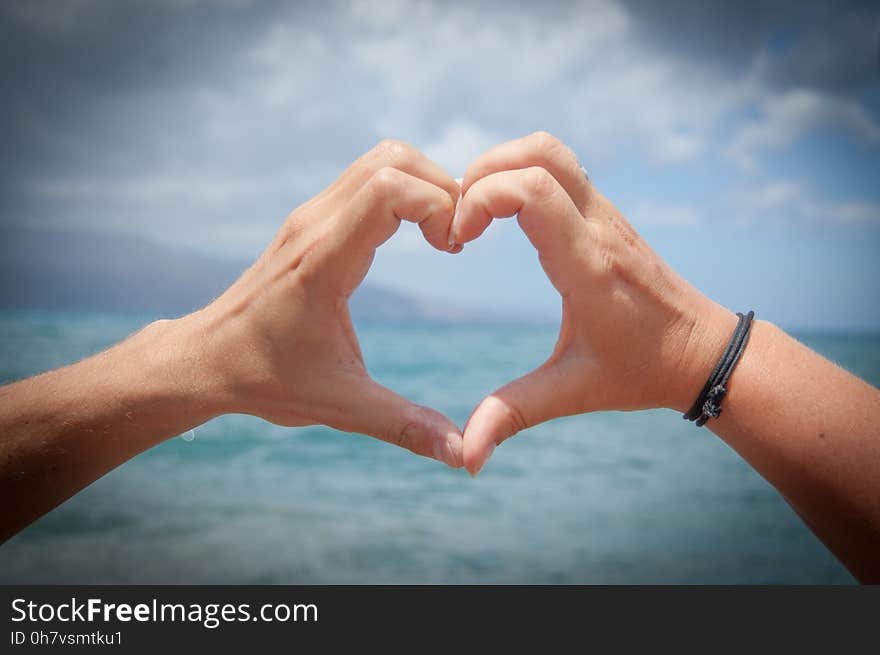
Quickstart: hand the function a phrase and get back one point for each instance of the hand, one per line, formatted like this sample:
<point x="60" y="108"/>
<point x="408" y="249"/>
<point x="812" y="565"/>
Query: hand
<point x="280" y="343"/>
<point x="634" y="334"/>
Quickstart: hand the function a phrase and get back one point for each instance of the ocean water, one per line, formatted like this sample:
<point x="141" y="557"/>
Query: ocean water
<point x="603" y="498"/>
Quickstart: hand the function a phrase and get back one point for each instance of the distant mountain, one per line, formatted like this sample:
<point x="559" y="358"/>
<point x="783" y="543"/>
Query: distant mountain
<point x="97" y="271"/>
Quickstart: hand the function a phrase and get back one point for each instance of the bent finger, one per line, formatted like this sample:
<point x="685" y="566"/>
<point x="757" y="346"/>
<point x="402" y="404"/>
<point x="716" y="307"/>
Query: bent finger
<point x="539" y="149"/>
<point x="374" y="213"/>
<point x="390" y="153"/>
<point x="544" y="211"/>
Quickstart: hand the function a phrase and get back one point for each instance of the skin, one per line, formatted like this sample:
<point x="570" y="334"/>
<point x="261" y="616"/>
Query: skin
<point x="635" y="335"/>
<point x="278" y="344"/>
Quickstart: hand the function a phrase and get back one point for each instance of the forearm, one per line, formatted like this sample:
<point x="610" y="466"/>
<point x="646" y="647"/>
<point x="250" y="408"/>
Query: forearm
<point x="62" y="430"/>
<point x="279" y="344"/>
<point x="635" y="334"/>
<point x="809" y="428"/>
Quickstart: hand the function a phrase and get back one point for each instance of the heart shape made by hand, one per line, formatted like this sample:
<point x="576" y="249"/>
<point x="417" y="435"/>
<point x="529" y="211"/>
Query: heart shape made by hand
<point x="627" y="324"/>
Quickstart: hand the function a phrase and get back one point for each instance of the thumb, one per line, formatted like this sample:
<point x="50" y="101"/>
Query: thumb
<point x="377" y="411"/>
<point x="527" y="401"/>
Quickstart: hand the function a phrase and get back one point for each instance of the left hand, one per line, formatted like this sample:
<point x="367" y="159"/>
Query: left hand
<point x="634" y="334"/>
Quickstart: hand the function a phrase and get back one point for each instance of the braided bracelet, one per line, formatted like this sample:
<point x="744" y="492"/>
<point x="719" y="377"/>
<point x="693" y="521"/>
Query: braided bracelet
<point x="708" y="403"/>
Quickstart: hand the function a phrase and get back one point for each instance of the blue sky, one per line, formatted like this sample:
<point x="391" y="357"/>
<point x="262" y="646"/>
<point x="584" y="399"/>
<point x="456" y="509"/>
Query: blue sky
<point x="742" y="139"/>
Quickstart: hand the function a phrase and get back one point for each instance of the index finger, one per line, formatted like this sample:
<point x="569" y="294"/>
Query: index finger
<point x="390" y="153"/>
<point x="544" y="211"/>
<point x="539" y="149"/>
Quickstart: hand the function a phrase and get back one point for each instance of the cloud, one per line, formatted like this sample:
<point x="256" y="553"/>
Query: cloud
<point x="782" y="202"/>
<point x="850" y="212"/>
<point x="192" y="120"/>
<point x="789" y="202"/>
<point x="837" y="50"/>
<point x="459" y="144"/>
<point x="785" y="117"/>
<point x="774" y="195"/>
<point x="54" y="18"/>
<point x="579" y="70"/>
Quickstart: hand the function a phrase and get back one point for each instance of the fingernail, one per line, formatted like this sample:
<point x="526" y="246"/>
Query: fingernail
<point x="485" y="459"/>
<point x="452" y="239"/>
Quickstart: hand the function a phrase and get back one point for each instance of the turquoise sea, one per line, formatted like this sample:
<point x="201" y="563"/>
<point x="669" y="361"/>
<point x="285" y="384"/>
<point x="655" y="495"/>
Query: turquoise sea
<point x="604" y="498"/>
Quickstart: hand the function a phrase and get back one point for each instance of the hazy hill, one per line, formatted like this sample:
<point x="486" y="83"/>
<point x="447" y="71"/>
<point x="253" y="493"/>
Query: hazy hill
<point x="95" y="271"/>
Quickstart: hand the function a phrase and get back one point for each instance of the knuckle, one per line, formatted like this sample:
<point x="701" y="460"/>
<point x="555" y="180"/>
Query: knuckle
<point x="539" y="183"/>
<point x="400" y="436"/>
<point x="384" y="182"/>
<point x="443" y="206"/>
<point x="551" y="149"/>
<point x="306" y="271"/>
<point x="394" y="151"/>
<point x="597" y="230"/>
<point x="602" y="236"/>
<point x="545" y="142"/>
<point x="408" y="431"/>
<point x="607" y="261"/>
<point x="515" y="419"/>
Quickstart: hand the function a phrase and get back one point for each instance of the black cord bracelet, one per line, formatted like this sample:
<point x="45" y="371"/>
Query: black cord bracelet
<point x="708" y="403"/>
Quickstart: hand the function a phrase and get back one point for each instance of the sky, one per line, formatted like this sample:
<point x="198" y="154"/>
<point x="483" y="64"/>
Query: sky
<point x="741" y="139"/>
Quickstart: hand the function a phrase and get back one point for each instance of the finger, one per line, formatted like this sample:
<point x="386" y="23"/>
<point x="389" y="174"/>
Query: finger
<point x="379" y="412"/>
<point x="544" y="211"/>
<point x="390" y="153"/>
<point x="527" y="401"/>
<point x="538" y="149"/>
<point x="375" y="212"/>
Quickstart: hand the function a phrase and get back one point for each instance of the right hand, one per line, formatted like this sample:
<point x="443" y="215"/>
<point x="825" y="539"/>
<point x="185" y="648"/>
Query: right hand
<point x="634" y="334"/>
<point x="279" y="343"/>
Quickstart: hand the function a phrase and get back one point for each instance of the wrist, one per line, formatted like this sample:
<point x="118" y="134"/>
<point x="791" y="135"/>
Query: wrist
<point x="710" y="327"/>
<point x="178" y="370"/>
